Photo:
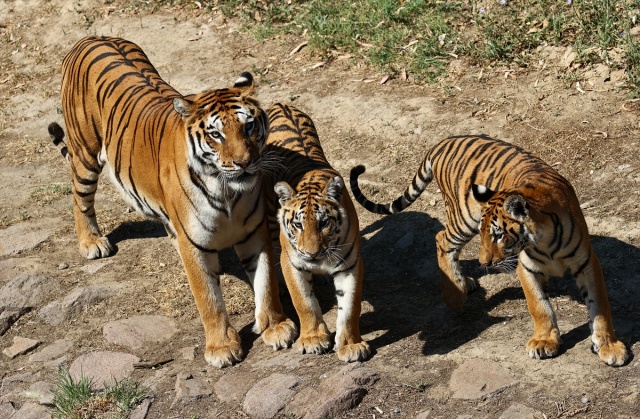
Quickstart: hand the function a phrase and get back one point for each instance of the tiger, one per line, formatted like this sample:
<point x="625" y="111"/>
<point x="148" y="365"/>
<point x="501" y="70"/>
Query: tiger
<point x="192" y="162"/>
<point x="318" y="231"/>
<point x="528" y="218"/>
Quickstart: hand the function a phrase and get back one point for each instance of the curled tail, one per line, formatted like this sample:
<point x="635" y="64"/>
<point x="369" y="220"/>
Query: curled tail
<point x="57" y="136"/>
<point x="422" y="178"/>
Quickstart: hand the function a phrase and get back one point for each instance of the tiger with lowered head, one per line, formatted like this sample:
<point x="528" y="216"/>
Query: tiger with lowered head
<point x="318" y="231"/>
<point x="529" y="219"/>
<point x="192" y="162"/>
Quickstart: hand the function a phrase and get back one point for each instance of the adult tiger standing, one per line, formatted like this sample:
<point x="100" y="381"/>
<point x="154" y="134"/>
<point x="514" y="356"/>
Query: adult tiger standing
<point x="319" y="233"/>
<point x="192" y="162"/>
<point x="528" y="218"/>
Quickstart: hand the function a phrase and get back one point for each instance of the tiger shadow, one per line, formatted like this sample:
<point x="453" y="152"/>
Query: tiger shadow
<point x="402" y="247"/>
<point x="133" y="230"/>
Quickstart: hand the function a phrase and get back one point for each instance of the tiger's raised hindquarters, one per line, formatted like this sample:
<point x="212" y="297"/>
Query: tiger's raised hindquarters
<point x="192" y="162"/>
<point x="319" y="233"/>
<point x="528" y="218"/>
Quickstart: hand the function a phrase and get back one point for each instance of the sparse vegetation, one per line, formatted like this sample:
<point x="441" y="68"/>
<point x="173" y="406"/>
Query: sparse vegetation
<point x="77" y="400"/>
<point x="423" y="36"/>
<point x="45" y="195"/>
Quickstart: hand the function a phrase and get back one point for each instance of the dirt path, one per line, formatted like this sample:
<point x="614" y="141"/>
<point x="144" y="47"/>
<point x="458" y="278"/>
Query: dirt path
<point x="427" y="359"/>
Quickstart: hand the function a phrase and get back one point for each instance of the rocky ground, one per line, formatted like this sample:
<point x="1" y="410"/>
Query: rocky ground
<point x="132" y="315"/>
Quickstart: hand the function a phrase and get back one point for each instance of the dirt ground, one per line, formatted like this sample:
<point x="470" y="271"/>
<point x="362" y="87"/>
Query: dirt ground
<point x="590" y="133"/>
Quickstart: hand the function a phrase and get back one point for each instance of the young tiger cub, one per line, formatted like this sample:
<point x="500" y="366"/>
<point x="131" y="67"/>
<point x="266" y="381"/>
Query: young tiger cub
<point x="192" y="162"/>
<point x="319" y="233"/>
<point x="528" y="218"/>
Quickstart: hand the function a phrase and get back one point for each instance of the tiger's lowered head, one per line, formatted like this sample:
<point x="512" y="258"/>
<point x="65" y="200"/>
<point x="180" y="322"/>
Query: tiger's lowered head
<point x="192" y="162"/>
<point x="529" y="219"/>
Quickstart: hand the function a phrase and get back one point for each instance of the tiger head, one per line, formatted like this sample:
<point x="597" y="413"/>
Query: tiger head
<point x="504" y="230"/>
<point x="225" y="132"/>
<point x="312" y="219"/>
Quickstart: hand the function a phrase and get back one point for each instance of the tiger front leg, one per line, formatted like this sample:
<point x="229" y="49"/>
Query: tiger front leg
<point x="91" y="242"/>
<point x="453" y="284"/>
<point x="349" y="344"/>
<point x="591" y="284"/>
<point x="223" y="346"/>
<point x="545" y="342"/>
<point x="314" y="335"/>
<point x="257" y="258"/>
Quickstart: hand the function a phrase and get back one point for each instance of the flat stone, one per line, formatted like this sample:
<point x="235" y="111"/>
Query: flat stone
<point x="21" y="237"/>
<point x="94" y="266"/>
<point x="74" y="303"/>
<point x="103" y="367"/>
<point x="41" y="391"/>
<point x="340" y="392"/>
<point x="6" y="409"/>
<point x="270" y="395"/>
<point x="478" y="377"/>
<point x="189" y="388"/>
<point x="424" y="415"/>
<point x="188" y="353"/>
<point x="520" y="411"/>
<point x="20" y="346"/>
<point x="282" y="359"/>
<point x="135" y="331"/>
<point x="31" y="410"/>
<point x="140" y="411"/>
<point x="20" y="294"/>
<point x="10" y="381"/>
<point x="231" y="388"/>
<point x="52" y="351"/>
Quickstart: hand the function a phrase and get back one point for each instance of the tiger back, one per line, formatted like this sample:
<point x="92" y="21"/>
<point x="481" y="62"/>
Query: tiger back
<point x="529" y="219"/>
<point x="318" y="233"/>
<point x="192" y="162"/>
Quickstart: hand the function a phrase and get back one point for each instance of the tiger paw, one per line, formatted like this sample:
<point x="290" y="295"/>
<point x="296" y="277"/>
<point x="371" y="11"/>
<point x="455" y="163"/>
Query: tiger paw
<point x="452" y="295"/>
<point x="614" y="354"/>
<point x="224" y="355"/>
<point x="354" y="352"/>
<point x="543" y="348"/>
<point x="317" y="343"/>
<point x="96" y="247"/>
<point x="281" y="335"/>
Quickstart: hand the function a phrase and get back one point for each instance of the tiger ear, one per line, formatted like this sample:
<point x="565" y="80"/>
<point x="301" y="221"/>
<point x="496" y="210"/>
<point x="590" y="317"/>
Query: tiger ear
<point x="183" y="106"/>
<point x="244" y="83"/>
<point x="517" y="208"/>
<point x="284" y="191"/>
<point x="334" y="188"/>
<point x="481" y="193"/>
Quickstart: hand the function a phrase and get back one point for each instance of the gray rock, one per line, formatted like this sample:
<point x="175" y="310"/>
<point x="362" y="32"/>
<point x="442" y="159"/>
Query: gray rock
<point x="424" y="415"/>
<point x="103" y="367"/>
<point x="20" y="346"/>
<point x="25" y="291"/>
<point x="231" y="388"/>
<point x="11" y="381"/>
<point x="340" y="392"/>
<point x="74" y="304"/>
<point x="189" y="388"/>
<point x="52" y="351"/>
<point x="520" y="411"/>
<point x="135" y="331"/>
<point x="270" y="395"/>
<point x="477" y="378"/>
<point x="6" y="409"/>
<point x="188" y="353"/>
<point x="41" y="391"/>
<point x="9" y="316"/>
<point x="24" y="236"/>
<point x="140" y="412"/>
<point x="32" y="410"/>
<point x="283" y="359"/>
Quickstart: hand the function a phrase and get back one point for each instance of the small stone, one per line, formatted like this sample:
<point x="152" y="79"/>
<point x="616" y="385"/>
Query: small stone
<point x="140" y="411"/>
<point x="520" y="411"/>
<point x="135" y="331"/>
<point x="18" y="238"/>
<point x="20" y="346"/>
<point x="10" y="381"/>
<point x="31" y="410"/>
<point x="41" y="391"/>
<point x="585" y="399"/>
<point x="270" y="395"/>
<point x="63" y="266"/>
<point x="103" y="367"/>
<point x="188" y="353"/>
<point x="6" y="409"/>
<point x="231" y="388"/>
<point x="52" y="351"/>
<point x="74" y="303"/>
<point x="478" y="377"/>
<point x="189" y="388"/>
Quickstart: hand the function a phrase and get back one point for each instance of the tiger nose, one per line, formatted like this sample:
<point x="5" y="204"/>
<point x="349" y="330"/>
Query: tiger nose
<point x="242" y="163"/>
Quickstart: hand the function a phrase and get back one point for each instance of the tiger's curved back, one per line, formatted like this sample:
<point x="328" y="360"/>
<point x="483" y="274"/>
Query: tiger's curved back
<point x="318" y="231"/>
<point x="529" y="220"/>
<point x="193" y="162"/>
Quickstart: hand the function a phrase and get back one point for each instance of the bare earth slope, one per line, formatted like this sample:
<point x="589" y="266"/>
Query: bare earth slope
<point x="427" y="359"/>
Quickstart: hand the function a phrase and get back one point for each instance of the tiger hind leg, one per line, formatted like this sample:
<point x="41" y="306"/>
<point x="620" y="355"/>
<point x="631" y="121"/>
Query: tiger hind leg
<point x="453" y="284"/>
<point x="91" y="242"/>
<point x="591" y="285"/>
